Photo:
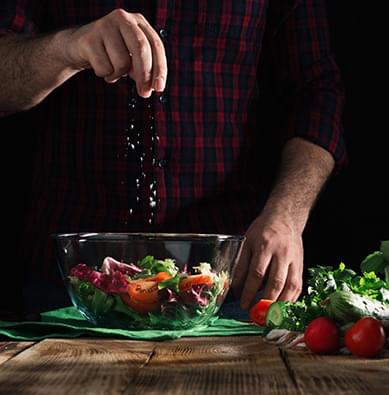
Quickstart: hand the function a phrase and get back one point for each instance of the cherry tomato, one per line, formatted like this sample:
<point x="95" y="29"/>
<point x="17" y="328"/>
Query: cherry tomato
<point x="322" y="336"/>
<point x="259" y="310"/>
<point x="366" y="338"/>
<point x="196" y="279"/>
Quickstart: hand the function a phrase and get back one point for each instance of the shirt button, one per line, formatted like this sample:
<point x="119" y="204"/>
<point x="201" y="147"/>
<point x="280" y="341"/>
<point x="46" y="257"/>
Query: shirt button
<point x="163" y="33"/>
<point x="161" y="163"/>
<point x="163" y="98"/>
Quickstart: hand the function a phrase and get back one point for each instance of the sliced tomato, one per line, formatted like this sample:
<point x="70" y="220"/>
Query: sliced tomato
<point x="196" y="279"/>
<point x="143" y="291"/>
<point x="259" y="310"/>
<point x="159" y="277"/>
<point x="141" y="308"/>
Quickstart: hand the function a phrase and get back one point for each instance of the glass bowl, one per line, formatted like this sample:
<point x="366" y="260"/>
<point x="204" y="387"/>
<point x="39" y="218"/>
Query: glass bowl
<point x="147" y="281"/>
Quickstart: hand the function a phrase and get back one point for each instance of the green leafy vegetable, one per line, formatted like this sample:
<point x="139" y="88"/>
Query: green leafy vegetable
<point x="378" y="261"/>
<point x="152" y="266"/>
<point x="325" y="280"/>
<point x="171" y="283"/>
<point x="97" y="301"/>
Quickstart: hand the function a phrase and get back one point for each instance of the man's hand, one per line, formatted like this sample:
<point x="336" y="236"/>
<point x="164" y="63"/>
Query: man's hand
<point x="274" y="240"/>
<point x="274" y="247"/>
<point x="117" y="45"/>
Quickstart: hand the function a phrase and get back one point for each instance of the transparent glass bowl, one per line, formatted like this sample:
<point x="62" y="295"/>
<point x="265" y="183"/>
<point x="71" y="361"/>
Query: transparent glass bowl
<point x="113" y="295"/>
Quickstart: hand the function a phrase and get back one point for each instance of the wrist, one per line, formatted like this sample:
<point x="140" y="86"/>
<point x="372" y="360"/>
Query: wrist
<point x="287" y="213"/>
<point x="65" y="49"/>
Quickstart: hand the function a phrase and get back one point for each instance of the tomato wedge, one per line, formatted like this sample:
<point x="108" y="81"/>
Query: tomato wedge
<point x="143" y="291"/>
<point x="259" y="310"/>
<point x="159" y="277"/>
<point x="196" y="279"/>
<point x="141" y="308"/>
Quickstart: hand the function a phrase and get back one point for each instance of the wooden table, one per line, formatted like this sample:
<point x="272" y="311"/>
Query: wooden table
<point x="216" y="365"/>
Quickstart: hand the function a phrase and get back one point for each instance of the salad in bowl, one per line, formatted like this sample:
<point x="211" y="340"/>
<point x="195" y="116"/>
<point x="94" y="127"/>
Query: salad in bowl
<point x="147" y="281"/>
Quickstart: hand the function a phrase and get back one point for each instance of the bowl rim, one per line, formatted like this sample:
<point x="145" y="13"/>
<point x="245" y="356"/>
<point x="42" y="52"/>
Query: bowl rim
<point x="149" y="236"/>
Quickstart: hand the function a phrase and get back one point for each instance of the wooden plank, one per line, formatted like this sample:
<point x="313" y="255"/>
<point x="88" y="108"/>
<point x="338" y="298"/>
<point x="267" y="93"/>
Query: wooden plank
<point x="212" y="366"/>
<point x="9" y="349"/>
<point x="337" y="374"/>
<point x="82" y="366"/>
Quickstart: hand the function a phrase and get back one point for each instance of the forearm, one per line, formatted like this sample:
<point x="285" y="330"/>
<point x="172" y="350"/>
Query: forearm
<point x="304" y="169"/>
<point x="31" y="68"/>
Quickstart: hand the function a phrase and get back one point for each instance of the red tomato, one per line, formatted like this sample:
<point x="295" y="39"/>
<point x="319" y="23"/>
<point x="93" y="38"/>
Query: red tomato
<point x="366" y="338"/>
<point x="143" y="291"/>
<point x="159" y="277"/>
<point x="196" y="279"/>
<point x="322" y="336"/>
<point x="259" y="310"/>
<point x="141" y="308"/>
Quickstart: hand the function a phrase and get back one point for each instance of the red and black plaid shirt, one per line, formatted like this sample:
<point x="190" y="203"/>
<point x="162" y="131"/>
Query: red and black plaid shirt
<point x="108" y="160"/>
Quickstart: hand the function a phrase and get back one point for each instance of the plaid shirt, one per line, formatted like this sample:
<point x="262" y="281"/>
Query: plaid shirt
<point x="184" y="161"/>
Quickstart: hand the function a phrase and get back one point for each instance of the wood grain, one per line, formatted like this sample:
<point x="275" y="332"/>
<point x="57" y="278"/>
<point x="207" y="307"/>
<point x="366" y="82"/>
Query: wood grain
<point x="82" y="366"/>
<point x="337" y="374"/>
<point x="9" y="349"/>
<point x="234" y="365"/>
<point x="190" y="366"/>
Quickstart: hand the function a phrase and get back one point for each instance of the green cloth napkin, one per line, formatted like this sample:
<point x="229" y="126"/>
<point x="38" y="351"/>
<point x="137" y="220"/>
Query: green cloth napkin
<point x="69" y="323"/>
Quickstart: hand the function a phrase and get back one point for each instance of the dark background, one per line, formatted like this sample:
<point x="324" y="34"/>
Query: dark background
<point x="352" y="215"/>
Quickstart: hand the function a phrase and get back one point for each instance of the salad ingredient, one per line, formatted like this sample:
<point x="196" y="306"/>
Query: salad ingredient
<point x="151" y="266"/>
<point x="259" y="310"/>
<point x="284" y="338"/>
<point x="294" y="316"/>
<point x="115" y="282"/>
<point x="322" y="336"/>
<point x="96" y="300"/>
<point x="188" y="282"/>
<point x="139" y="307"/>
<point x="159" y="277"/>
<point x="153" y="293"/>
<point x="346" y="307"/>
<point x="277" y="315"/>
<point x="378" y="261"/>
<point x="324" y="281"/>
<point x="143" y="291"/>
<point x="366" y="338"/>
<point x="111" y="265"/>
<point x="195" y="295"/>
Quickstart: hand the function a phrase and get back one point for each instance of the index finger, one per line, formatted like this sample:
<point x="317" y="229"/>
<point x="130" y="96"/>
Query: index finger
<point x="258" y="267"/>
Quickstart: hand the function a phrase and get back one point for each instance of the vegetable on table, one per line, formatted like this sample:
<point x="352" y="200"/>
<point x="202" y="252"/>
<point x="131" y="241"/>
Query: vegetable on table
<point x="259" y="310"/>
<point x="294" y="316"/>
<point x="322" y="336"/>
<point x="366" y="338"/>
<point x="346" y="307"/>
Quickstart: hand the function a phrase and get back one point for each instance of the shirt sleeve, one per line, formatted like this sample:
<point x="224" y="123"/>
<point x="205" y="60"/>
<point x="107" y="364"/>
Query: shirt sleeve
<point x="310" y="78"/>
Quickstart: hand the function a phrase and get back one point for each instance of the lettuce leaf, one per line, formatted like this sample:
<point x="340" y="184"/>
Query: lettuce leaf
<point x="378" y="261"/>
<point x="97" y="301"/>
<point x="152" y="266"/>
